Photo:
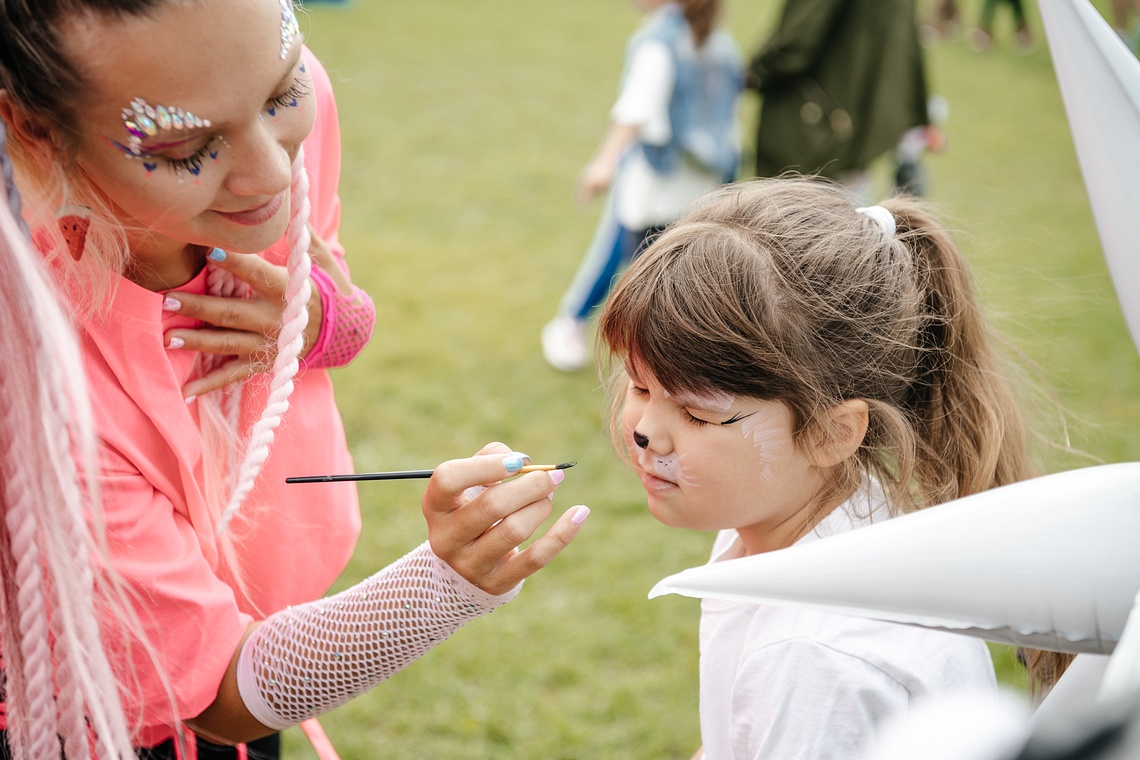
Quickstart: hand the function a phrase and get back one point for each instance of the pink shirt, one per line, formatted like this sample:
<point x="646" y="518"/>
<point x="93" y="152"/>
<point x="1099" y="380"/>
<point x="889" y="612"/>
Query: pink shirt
<point x="294" y="540"/>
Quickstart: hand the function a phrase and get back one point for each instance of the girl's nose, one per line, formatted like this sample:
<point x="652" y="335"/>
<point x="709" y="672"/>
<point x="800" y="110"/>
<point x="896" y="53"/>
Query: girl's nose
<point x="642" y="441"/>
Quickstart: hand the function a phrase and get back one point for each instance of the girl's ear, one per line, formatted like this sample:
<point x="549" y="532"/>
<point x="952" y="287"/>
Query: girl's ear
<point x="840" y="434"/>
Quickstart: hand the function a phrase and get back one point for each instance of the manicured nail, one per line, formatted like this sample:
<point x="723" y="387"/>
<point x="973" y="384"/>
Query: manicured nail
<point x="170" y="303"/>
<point x="557" y="476"/>
<point x="216" y="255"/>
<point x="190" y="400"/>
<point x="580" y="515"/>
<point x="515" y="461"/>
<point x="176" y="342"/>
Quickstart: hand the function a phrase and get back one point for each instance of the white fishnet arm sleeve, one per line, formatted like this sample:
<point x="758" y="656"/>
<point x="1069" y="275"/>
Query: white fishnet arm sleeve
<point x="304" y="661"/>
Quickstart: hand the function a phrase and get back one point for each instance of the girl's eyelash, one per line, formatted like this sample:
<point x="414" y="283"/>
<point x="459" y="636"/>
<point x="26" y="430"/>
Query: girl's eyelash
<point x="289" y="98"/>
<point x="696" y="420"/>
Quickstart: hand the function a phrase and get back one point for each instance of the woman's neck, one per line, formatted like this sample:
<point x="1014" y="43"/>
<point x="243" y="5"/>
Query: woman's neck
<point x="158" y="265"/>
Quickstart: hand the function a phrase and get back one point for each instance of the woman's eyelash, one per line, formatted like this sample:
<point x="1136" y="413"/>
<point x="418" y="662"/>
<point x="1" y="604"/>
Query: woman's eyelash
<point x="289" y="98"/>
<point x="193" y="162"/>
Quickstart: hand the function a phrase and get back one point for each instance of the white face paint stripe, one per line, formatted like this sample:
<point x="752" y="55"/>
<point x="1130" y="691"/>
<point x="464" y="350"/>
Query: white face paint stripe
<point x="765" y="432"/>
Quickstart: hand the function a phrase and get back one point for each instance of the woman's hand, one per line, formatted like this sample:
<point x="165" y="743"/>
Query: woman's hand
<point x="245" y="330"/>
<point x="477" y="531"/>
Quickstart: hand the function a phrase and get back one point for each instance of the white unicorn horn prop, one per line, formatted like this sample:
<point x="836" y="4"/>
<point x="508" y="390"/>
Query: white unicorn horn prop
<point x="1051" y="563"/>
<point x="1100" y="85"/>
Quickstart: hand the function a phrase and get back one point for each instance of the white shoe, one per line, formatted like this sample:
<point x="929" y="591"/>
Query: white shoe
<point x="564" y="344"/>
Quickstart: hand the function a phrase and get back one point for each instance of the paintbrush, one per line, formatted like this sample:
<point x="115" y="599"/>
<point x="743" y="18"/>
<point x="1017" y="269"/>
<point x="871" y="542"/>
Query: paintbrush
<point x="407" y="474"/>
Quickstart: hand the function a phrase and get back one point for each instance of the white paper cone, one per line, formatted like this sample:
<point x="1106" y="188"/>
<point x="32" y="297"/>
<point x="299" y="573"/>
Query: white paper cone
<point x="1052" y="563"/>
<point x="1100" y="85"/>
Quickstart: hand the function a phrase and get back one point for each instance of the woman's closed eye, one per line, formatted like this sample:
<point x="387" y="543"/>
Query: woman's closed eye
<point x="297" y="91"/>
<point x="193" y="162"/>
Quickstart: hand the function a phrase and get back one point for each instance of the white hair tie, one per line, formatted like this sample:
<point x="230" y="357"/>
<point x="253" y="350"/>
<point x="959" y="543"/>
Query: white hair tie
<point x="885" y="218"/>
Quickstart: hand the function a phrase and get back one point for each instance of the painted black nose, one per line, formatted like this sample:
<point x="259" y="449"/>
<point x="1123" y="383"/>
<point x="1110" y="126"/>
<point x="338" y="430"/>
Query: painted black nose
<point x="641" y="440"/>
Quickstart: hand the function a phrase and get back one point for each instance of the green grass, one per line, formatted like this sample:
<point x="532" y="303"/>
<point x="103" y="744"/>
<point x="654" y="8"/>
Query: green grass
<point x="465" y="125"/>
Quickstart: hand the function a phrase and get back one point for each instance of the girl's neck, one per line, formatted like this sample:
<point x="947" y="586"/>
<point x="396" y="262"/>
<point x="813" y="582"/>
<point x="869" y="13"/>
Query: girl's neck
<point x="758" y="539"/>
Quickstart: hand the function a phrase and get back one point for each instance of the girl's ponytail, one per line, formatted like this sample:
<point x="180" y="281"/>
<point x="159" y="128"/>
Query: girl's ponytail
<point x="971" y="434"/>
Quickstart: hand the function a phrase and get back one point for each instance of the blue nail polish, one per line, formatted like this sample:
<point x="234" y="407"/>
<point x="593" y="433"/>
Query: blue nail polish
<point x="514" y="461"/>
<point x="216" y="255"/>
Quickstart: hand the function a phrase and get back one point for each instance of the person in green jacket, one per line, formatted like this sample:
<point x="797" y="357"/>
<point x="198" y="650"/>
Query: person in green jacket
<point x="840" y="82"/>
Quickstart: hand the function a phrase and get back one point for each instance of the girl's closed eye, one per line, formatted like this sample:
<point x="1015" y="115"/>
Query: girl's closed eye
<point x="702" y="422"/>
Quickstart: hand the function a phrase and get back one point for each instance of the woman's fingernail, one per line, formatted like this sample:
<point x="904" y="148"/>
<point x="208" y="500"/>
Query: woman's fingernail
<point x="515" y="461"/>
<point x="557" y="476"/>
<point x="190" y="400"/>
<point x="580" y="515"/>
<point x="170" y="303"/>
<point x="216" y="255"/>
<point x="176" y="342"/>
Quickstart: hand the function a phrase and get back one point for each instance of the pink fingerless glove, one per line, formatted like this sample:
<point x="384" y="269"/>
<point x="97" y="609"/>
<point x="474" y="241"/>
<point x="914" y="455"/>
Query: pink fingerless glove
<point x="346" y="324"/>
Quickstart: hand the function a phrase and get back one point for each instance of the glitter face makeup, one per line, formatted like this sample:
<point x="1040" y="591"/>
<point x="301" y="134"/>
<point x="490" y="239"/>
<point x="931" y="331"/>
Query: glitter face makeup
<point x="289" y="27"/>
<point x="716" y="461"/>
<point x="143" y="120"/>
<point x="184" y="148"/>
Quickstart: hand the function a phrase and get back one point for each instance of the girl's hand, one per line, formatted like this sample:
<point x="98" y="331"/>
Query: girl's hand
<point x="243" y="329"/>
<point x="594" y="180"/>
<point x="477" y="531"/>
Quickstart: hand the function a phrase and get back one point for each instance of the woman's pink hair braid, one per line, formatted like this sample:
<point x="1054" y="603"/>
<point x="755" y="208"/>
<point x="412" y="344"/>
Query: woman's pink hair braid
<point x="59" y="682"/>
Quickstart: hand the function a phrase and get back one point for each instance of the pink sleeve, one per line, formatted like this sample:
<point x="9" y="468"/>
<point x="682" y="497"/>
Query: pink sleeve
<point x="348" y="318"/>
<point x="187" y="615"/>
<point x="322" y="154"/>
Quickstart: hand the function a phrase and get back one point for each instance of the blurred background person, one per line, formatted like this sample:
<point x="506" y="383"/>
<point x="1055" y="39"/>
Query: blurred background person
<point x="840" y="82"/>
<point x="672" y="137"/>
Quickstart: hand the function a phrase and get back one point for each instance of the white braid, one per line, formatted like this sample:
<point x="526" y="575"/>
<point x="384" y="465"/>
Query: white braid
<point x="290" y="343"/>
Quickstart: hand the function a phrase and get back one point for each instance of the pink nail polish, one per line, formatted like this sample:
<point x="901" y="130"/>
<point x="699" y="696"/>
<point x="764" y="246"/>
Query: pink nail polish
<point x="557" y="476"/>
<point x="176" y="342"/>
<point x="580" y="515"/>
<point x="171" y="303"/>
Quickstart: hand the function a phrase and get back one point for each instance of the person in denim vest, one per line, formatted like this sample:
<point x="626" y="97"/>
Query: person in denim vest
<point x="672" y="138"/>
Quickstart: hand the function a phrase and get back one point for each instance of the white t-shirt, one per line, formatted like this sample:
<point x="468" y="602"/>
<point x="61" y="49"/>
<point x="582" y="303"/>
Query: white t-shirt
<point x="791" y="684"/>
<point x="644" y="197"/>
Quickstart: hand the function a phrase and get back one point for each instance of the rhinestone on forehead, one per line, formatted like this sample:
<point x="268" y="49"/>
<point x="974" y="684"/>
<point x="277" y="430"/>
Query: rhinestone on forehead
<point x="289" y="27"/>
<point x="143" y="120"/>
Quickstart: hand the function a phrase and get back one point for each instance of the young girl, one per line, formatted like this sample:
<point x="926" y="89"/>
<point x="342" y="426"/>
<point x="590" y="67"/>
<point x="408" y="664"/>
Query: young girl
<point x="796" y="367"/>
<point x="203" y="134"/>
<point x="671" y="138"/>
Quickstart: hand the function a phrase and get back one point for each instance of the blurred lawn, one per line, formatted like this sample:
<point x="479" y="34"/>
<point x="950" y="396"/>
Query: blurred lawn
<point x="465" y="125"/>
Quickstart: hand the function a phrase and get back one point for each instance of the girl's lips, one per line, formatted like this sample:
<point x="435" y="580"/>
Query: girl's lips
<point x="654" y="483"/>
<point x="255" y="216"/>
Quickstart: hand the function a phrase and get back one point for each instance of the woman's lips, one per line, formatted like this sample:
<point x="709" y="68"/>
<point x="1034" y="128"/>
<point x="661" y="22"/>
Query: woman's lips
<point x="257" y="215"/>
